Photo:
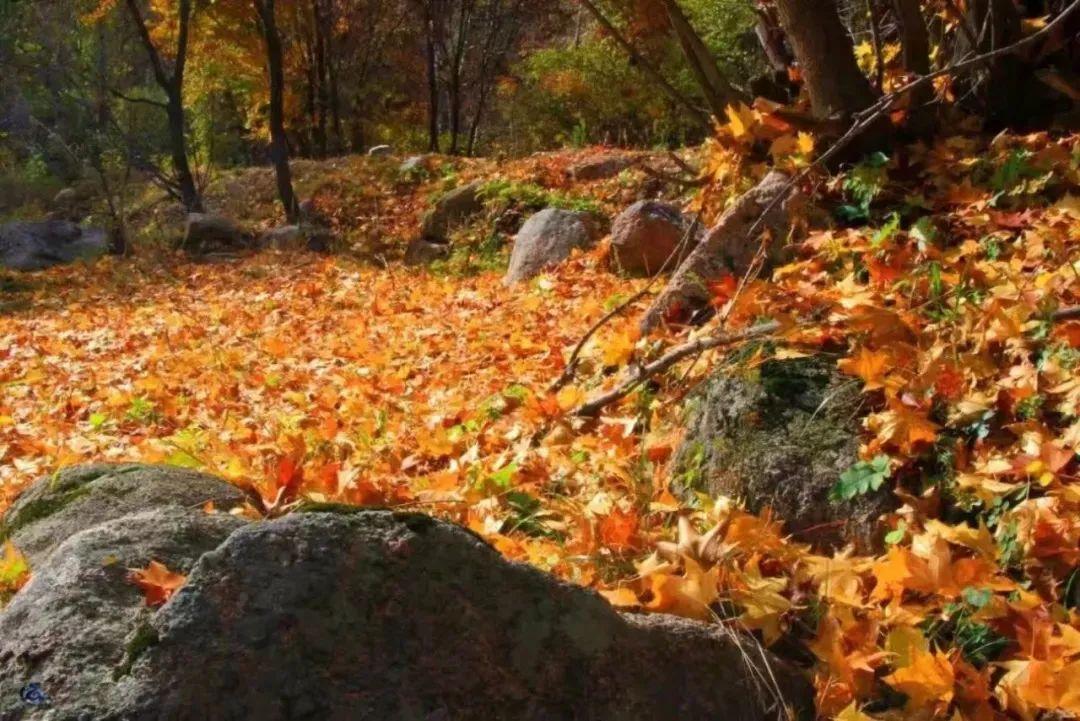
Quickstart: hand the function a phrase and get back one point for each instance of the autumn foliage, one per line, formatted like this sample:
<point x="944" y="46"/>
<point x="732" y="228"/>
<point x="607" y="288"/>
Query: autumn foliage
<point x="940" y="293"/>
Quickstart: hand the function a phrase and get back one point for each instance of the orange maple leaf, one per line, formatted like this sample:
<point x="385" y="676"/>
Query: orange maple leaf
<point x="928" y="680"/>
<point x="869" y="365"/>
<point x="157" y="582"/>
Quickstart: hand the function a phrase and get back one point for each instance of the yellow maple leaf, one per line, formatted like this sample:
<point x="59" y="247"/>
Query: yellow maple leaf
<point x="927" y="681"/>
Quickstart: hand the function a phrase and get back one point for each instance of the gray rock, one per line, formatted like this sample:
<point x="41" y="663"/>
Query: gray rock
<point x="58" y="506"/>
<point x="424" y="252"/>
<point x="452" y="210"/>
<point x="294" y="237"/>
<point x="78" y="623"/>
<point x="67" y="198"/>
<point x="377" y="615"/>
<point x="206" y="232"/>
<point x="36" y="246"/>
<point x="380" y="151"/>
<point x="547" y="239"/>
<point x="782" y="440"/>
<point x="651" y="236"/>
<point x="600" y="167"/>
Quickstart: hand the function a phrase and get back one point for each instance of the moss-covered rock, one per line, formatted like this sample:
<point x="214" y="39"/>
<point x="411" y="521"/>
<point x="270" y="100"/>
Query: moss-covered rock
<point x="60" y="505"/>
<point x="780" y="437"/>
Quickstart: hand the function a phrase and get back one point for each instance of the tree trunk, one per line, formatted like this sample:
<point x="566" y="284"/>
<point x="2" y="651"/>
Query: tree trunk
<point x="639" y="61"/>
<point x="173" y="86"/>
<point x="716" y="88"/>
<point x="279" y="142"/>
<point x="915" y="45"/>
<point x="322" y="73"/>
<point x="998" y="90"/>
<point x="433" y="89"/>
<point x="185" y="179"/>
<point x="826" y="57"/>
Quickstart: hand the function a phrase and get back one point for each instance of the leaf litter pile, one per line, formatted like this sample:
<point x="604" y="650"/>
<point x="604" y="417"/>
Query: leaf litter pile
<point x="945" y="287"/>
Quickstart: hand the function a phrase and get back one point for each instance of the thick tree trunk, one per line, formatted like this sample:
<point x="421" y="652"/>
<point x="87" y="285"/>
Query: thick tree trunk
<point x="826" y="57"/>
<point x="279" y="142"/>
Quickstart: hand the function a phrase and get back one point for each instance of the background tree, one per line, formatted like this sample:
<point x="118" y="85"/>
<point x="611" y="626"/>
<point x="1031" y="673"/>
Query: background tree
<point x="171" y="82"/>
<point x="279" y="142"/>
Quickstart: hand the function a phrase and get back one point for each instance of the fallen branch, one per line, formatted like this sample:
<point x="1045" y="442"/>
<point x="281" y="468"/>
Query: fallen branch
<point x="1063" y="314"/>
<point x="591" y="408"/>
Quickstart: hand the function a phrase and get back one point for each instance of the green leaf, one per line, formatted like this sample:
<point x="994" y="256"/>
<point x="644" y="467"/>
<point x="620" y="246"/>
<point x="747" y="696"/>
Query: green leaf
<point x="924" y="232"/>
<point x="860" y="479"/>
<point x="978" y="597"/>
<point x="896" y="536"/>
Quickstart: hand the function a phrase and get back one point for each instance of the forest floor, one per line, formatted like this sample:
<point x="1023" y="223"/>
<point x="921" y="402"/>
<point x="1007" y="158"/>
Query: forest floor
<point x="353" y="378"/>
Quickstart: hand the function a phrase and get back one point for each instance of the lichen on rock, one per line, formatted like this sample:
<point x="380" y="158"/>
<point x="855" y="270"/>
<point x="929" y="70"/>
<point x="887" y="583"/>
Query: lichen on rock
<point x="780" y="437"/>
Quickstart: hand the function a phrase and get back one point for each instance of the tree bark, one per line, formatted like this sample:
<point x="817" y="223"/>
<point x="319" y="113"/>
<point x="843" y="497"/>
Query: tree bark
<point x="915" y="48"/>
<point x="999" y="90"/>
<point x="433" y="87"/>
<point x="173" y="86"/>
<point x="826" y="57"/>
<point x="279" y="142"/>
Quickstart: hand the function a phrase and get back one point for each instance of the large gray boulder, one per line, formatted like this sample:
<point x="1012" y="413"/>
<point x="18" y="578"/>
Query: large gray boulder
<point x="377" y="615"/>
<point x="79" y="623"/>
<point x="652" y="236"/>
<point x="74" y="499"/>
<point x="780" y="439"/>
<point x="546" y="239"/>
<point x="30" y="246"/>
<point x="341" y="613"/>
<point x="451" y="211"/>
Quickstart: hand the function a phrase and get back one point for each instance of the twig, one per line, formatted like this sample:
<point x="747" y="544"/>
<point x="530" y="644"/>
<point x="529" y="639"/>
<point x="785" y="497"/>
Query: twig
<point x="593" y="407"/>
<point x="1072" y="313"/>
<point x="575" y="357"/>
<point x="668" y="178"/>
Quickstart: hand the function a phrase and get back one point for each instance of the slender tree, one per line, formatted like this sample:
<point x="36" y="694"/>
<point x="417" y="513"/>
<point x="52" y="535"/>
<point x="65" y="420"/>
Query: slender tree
<point x="279" y="142"/>
<point x="172" y="84"/>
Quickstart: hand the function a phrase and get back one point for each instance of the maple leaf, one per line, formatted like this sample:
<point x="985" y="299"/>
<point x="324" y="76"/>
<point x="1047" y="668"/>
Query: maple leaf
<point x="14" y="571"/>
<point x="157" y="582"/>
<point x="928" y="680"/>
<point x="869" y="365"/>
<point x="903" y="428"/>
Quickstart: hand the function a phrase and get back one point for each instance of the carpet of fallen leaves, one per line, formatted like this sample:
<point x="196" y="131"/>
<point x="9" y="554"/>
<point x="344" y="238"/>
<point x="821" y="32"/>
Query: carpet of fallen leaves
<point x="328" y="379"/>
